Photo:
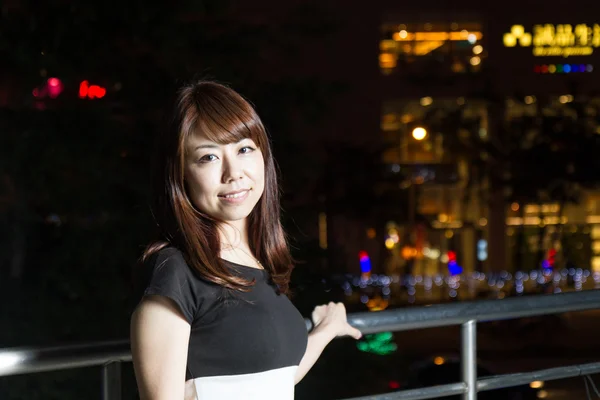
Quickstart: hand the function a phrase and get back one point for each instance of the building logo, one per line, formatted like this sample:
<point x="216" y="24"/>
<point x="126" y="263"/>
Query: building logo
<point x="562" y="40"/>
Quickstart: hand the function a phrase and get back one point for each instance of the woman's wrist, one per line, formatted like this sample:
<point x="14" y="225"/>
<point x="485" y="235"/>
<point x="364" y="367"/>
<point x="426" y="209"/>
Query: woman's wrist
<point x="323" y="333"/>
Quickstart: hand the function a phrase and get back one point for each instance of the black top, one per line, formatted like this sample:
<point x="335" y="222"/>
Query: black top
<point x="232" y="333"/>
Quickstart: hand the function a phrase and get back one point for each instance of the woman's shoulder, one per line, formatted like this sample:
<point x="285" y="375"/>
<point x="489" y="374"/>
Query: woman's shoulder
<point x="170" y="261"/>
<point x="169" y="256"/>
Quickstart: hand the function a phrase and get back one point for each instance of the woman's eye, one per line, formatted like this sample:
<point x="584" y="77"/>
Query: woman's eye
<point x="246" y="149"/>
<point x="208" y="158"/>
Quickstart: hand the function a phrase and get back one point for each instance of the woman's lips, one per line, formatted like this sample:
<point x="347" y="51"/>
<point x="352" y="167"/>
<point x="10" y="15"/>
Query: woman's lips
<point x="235" y="197"/>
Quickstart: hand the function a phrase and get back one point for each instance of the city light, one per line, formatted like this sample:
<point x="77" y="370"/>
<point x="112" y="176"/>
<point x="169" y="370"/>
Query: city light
<point x="55" y="87"/>
<point x="323" y="230"/>
<point x="509" y="40"/>
<point x="394" y="385"/>
<point x="453" y="267"/>
<point x="426" y="101"/>
<point x="378" y="343"/>
<point x="365" y="262"/>
<point x="91" y="92"/>
<point x="387" y="60"/>
<point x="482" y="252"/>
<point x="563" y="68"/>
<point x="419" y="133"/>
<point x="517" y="30"/>
<point x="478" y="49"/>
<point x="464" y="35"/>
<point x="537" y="384"/>
<point x="476" y="60"/>
<point x="542" y="394"/>
<point x="439" y="361"/>
<point x="563" y="99"/>
<point x="52" y="88"/>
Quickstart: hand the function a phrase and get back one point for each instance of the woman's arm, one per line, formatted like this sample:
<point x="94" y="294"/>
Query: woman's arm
<point x="329" y="322"/>
<point x="159" y="345"/>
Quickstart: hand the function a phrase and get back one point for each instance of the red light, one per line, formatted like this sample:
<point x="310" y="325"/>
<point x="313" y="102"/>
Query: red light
<point x="36" y="92"/>
<point x="96" y="91"/>
<point x="451" y="256"/>
<point x="54" y="87"/>
<point x="537" y="69"/>
<point x="363" y="255"/>
<point x="394" y="385"/>
<point x="544" y="69"/>
<point x="551" y="255"/>
<point x="92" y="92"/>
<point x="83" y="89"/>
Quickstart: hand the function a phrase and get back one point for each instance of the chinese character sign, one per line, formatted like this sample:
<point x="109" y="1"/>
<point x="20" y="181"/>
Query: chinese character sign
<point x="555" y="40"/>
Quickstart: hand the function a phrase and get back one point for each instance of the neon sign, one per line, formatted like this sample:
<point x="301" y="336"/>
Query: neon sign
<point x="563" y="40"/>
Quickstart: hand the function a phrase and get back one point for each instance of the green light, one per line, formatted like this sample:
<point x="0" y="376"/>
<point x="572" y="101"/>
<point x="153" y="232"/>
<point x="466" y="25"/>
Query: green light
<point x="379" y="343"/>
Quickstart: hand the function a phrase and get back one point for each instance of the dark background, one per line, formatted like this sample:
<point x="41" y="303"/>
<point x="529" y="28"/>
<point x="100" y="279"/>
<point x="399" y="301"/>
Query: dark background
<point x="74" y="173"/>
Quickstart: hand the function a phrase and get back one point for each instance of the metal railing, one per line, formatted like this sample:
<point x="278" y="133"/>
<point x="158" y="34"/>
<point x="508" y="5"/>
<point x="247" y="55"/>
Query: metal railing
<point x="110" y="355"/>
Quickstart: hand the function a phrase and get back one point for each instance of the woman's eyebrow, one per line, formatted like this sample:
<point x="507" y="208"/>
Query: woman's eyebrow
<point x="206" y="146"/>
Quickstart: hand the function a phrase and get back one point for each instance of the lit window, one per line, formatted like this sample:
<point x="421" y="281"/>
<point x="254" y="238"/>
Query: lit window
<point x="408" y="48"/>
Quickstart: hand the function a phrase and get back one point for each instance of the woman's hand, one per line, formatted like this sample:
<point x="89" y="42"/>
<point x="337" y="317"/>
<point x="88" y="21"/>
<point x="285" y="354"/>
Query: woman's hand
<point x="331" y="319"/>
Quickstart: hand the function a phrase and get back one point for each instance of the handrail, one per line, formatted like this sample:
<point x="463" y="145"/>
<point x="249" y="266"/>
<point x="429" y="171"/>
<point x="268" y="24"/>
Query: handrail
<point x="26" y="360"/>
<point x="489" y="383"/>
<point x="440" y="315"/>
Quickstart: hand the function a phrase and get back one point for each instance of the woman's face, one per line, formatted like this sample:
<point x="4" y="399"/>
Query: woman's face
<point x="224" y="181"/>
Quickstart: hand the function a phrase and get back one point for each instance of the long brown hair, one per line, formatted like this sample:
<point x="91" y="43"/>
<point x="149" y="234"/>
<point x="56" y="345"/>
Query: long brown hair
<point x="224" y="117"/>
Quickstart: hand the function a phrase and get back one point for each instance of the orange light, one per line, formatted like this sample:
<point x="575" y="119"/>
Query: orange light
<point x="419" y="133"/>
<point x="439" y="361"/>
<point x="387" y="60"/>
<point x="435" y="36"/>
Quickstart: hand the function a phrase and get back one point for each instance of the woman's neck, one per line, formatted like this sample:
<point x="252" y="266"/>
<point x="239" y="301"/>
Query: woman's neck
<point x="233" y="234"/>
<point x="235" y="246"/>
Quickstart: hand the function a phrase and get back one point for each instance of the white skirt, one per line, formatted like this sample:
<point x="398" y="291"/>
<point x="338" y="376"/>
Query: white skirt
<point x="276" y="384"/>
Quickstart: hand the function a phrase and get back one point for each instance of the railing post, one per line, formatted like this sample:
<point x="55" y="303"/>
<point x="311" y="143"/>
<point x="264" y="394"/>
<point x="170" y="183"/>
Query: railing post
<point x="111" y="381"/>
<point x="469" y="358"/>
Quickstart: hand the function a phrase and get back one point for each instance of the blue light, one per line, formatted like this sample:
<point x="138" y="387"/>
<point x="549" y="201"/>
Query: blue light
<point x="454" y="268"/>
<point x="365" y="265"/>
<point x="567" y="68"/>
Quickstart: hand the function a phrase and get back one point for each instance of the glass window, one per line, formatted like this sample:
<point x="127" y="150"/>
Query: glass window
<point x="453" y="48"/>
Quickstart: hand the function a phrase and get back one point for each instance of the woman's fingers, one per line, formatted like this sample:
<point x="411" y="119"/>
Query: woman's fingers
<point x="353" y="332"/>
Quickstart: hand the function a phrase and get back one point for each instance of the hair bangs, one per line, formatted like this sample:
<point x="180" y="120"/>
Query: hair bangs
<point x="227" y="119"/>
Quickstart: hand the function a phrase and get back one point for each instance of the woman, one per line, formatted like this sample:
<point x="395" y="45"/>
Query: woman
<point x="214" y="322"/>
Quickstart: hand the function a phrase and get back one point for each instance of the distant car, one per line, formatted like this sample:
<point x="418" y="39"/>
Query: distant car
<point x="445" y="370"/>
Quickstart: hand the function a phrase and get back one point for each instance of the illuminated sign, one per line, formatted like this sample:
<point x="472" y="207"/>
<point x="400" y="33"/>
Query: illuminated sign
<point x="562" y="40"/>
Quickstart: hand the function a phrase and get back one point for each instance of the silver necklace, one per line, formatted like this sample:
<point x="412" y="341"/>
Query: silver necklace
<point x="249" y="255"/>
